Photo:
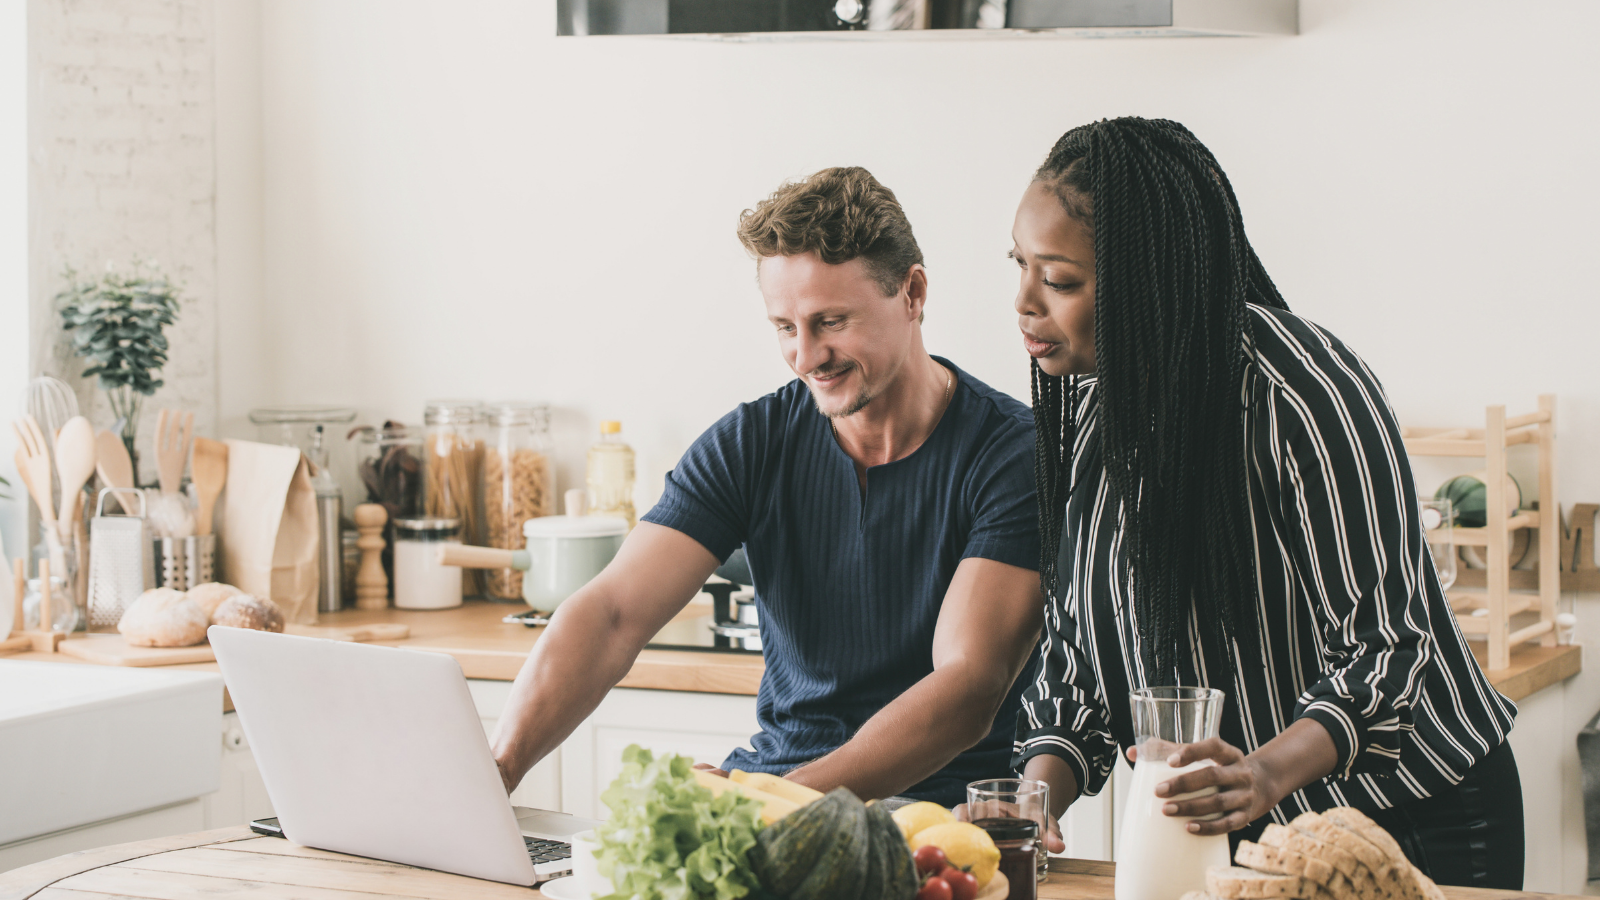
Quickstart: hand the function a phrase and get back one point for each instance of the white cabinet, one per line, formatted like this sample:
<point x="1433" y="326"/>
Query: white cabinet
<point x="703" y="726"/>
<point x="242" y="796"/>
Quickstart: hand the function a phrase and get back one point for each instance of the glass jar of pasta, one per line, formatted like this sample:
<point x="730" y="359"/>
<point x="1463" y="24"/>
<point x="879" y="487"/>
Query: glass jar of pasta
<point x="518" y="484"/>
<point x="452" y="466"/>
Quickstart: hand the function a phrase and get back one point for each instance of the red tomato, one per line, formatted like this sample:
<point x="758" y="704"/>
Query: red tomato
<point x="930" y="859"/>
<point x="963" y="885"/>
<point x="935" y="889"/>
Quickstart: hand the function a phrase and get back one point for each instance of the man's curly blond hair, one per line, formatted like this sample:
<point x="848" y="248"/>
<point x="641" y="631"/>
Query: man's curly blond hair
<point x="840" y="213"/>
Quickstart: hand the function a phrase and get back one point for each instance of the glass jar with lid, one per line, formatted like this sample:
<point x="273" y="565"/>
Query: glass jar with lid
<point x="518" y="484"/>
<point x="452" y="471"/>
<point x="421" y="580"/>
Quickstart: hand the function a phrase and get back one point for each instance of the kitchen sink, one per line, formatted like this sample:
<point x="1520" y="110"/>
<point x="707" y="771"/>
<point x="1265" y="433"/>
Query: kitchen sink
<point x="80" y="744"/>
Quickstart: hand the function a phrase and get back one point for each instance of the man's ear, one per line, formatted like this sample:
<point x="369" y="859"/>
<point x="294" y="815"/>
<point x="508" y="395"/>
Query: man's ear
<point x="915" y="291"/>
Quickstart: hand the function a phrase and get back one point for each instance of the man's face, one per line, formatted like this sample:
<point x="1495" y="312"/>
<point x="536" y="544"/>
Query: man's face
<point x="836" y="328"/>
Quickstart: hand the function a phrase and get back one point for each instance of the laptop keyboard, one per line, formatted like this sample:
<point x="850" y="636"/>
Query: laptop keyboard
<point x="543" y="851"/>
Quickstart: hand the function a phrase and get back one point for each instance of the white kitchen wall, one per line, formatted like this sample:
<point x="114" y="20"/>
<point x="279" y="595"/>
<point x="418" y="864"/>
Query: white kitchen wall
<point x="120" y="141"/>
<point x="447" y="200"/>
<point x="13" y="265"/>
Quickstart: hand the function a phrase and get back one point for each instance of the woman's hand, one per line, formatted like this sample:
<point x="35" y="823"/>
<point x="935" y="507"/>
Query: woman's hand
<point x="1052" y="837"/>
<point x="1248" y="787"/>
<point x="1244" y="789"/>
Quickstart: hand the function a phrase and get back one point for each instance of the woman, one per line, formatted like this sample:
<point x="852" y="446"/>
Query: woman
<point x="1234" y="508"/>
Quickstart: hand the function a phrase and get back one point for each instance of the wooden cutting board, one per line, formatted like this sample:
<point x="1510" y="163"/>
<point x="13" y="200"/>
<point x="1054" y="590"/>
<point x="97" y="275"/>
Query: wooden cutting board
<point x="114" y="650"/>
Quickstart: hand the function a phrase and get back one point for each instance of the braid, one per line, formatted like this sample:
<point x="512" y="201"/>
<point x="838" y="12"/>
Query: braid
<point x="1173" y="274"/>
<point x="1055" y="432"/>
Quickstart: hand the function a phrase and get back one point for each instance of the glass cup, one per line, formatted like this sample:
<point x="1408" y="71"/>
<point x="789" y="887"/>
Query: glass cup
<point x="1438" y="525"/>
<point x="1157" y="857"/>
<point x="1014" y="798"/>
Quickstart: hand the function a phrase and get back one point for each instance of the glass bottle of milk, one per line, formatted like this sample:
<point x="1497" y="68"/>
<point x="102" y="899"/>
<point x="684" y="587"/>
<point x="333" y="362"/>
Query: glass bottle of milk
<point x="1157" y="857"/>
<point x="610" y="475"/>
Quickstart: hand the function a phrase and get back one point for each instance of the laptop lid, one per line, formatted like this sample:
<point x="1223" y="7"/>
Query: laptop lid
<point x="373" y="751"/>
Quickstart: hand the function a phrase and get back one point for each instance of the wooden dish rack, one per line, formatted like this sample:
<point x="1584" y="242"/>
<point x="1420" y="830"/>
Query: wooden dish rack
<point x="1490" y="443"/>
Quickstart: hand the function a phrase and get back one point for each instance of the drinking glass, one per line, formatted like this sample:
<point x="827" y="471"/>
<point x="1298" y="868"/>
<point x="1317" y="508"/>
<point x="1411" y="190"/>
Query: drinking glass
<point x="1157" y="857"/>
<point x="1014" y="798"/>
<point x="1438" y="524"/>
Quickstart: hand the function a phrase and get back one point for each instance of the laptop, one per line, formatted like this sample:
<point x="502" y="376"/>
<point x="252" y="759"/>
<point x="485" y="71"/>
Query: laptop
<point x="379" y="752"/>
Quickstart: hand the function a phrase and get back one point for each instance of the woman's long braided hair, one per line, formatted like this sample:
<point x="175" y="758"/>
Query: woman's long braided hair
<point x="1173" y="272"/>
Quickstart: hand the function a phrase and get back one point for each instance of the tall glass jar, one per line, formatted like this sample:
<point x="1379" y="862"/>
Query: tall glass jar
<point x="518" y="484"/>
<point x="389" y="463"/>
<point x="452" y="466"/>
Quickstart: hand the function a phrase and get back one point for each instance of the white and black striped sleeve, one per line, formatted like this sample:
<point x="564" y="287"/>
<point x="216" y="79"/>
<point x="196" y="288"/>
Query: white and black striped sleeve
<point x="1063" y="710"/>
<point x="1349" y="505"/>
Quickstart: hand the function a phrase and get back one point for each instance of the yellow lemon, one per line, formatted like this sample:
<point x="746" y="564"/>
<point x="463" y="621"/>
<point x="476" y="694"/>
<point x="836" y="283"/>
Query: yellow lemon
<point x="914" y="817"/>
<point x="967" y="846"/>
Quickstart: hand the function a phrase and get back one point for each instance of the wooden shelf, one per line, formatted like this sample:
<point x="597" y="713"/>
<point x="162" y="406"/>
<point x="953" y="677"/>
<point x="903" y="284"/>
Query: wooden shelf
<point x="1495" y="605"/>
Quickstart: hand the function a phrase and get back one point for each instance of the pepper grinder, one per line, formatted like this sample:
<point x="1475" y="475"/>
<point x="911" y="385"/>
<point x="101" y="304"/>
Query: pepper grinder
<point x="372" y="585"/>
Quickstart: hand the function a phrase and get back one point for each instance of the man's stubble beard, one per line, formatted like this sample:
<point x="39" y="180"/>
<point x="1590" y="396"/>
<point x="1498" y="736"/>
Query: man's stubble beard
<point x="860" y="402"/>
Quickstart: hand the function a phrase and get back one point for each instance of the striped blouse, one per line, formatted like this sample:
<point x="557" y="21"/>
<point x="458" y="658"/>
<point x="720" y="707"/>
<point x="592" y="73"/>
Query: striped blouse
<point x="1355" y="630"/>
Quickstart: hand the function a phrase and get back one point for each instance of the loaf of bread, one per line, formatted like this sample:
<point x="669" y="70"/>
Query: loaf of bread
<point x="210" y="596"/>
<point x="163" y="617"/>
<point x="1340" y="854"/>
<point x="249" y="611"/>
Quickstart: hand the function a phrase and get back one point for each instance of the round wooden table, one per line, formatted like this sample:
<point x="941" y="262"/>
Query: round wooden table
<point x="235" y="862"/>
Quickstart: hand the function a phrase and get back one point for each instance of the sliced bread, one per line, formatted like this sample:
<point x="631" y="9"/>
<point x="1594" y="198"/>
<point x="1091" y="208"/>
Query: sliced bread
<point x="1372" y="858"/>
<point x="1235" y="883"/>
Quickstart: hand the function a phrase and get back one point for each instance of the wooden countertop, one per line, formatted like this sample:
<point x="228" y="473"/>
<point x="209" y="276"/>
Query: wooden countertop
<point x="490" y="649"/>
<point x="233" y="862"/>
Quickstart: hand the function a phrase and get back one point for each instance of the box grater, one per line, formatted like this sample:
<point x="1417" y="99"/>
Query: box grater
<point x="119" y="560"/>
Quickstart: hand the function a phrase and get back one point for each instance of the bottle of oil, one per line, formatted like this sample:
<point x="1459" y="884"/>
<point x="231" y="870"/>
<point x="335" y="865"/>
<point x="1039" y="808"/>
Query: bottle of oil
<point x="610" y="475"/>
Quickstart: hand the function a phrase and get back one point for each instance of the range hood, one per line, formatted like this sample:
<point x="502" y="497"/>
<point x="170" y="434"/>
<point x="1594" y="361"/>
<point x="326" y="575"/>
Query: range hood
<point x="853" y="19"/>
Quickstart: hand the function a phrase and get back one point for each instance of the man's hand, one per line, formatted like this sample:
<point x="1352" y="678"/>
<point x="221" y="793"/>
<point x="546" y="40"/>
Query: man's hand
<point x="707" y="767"/>
<point x="1247" y="786"/>
<point x="505" y="776"/>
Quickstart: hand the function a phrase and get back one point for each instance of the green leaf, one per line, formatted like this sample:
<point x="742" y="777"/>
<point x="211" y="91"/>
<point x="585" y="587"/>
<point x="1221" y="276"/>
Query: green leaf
<point x="668" y="838"/>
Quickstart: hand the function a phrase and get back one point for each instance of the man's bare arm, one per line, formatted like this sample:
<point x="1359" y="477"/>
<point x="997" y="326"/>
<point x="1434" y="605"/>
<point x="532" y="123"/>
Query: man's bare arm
<point x="592" y="641"/>
<point x="987" y="627"/>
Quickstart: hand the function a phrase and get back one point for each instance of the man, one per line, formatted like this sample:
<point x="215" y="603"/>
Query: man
<point x="885" y="502"/>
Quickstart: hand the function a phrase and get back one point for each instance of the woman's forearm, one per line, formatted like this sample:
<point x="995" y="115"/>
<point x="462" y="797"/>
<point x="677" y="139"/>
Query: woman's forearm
<point x="1054" y="771"/>
<point x="1299" y="755"/>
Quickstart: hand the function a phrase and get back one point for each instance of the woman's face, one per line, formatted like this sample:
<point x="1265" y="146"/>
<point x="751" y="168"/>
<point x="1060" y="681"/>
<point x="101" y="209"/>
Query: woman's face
<point x="1055" y="303"/>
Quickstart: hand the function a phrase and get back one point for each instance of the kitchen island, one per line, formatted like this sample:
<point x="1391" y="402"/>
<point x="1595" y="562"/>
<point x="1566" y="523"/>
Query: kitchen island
<point x="233" y="862"/>
<point x="701" y="704"/>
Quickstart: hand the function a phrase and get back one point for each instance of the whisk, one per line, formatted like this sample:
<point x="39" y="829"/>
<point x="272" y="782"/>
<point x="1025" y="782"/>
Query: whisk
<point x="51" y="403"/>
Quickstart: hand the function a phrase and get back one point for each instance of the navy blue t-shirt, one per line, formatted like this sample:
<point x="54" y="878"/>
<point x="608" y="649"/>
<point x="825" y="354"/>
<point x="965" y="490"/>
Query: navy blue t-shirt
<point x="849" y="583"/>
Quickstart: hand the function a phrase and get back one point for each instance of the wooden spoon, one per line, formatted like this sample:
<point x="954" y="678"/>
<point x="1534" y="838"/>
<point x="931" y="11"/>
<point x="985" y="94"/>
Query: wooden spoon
<point x="75" y="463"/>
<point x="113" y="464"/>
<point x="209" y="471"/>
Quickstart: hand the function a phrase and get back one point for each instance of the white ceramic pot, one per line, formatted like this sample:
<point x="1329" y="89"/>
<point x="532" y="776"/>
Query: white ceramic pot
<point x="565" y="553"/>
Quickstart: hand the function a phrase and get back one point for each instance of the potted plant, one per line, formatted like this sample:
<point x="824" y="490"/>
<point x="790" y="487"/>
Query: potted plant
<point x="117" y="322"/>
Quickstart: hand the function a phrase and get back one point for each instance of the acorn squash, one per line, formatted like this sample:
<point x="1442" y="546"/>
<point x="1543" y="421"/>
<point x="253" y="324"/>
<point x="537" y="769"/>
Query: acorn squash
<point x="891" y="873"/>
<point x="818" y="852"/>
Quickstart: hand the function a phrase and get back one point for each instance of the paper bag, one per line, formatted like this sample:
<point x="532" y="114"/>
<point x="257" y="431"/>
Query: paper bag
<point x="270" y="528"/>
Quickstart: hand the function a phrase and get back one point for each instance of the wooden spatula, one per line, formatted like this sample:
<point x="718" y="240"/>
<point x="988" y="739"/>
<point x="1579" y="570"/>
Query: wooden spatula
<point x="209" y="470"/>
<point x="112" y="463"/>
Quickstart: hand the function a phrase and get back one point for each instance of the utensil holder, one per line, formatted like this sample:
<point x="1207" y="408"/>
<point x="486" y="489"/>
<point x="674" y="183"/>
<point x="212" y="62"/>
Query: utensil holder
<point x="183" y="563"/>
<point x="119" y="567"/>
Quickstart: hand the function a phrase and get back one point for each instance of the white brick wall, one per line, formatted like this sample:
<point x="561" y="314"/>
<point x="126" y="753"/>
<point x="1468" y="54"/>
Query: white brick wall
<point x="121" y="149"/>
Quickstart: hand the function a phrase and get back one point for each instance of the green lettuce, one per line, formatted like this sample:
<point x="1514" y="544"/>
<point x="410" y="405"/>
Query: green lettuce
<point x="668" y="838"/>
